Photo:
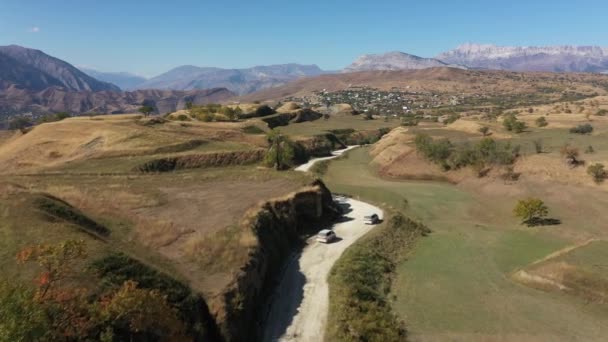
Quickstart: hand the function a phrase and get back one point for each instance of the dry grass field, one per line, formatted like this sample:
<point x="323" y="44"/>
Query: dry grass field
<point x="164" y="219"/>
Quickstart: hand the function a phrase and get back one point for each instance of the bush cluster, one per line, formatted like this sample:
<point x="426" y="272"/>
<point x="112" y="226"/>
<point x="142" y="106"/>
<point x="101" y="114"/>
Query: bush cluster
<point x="512" y="124"/>
<point x="582" y="129"/>
<point x="484" y="153"/>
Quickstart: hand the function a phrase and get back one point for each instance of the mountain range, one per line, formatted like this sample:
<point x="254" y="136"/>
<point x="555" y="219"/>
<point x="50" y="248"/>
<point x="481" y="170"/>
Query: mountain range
<point x="240" y="81"/>
<point x="32" y="81"/>
<point x="35" y="70"/>
<point x="529" y="58"/>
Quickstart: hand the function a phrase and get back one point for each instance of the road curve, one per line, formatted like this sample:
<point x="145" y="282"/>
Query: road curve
<point x="335" y="154"/>
<point x="300" y="305"/>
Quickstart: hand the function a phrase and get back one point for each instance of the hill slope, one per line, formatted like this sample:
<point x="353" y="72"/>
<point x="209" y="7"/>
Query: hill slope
<point x="439" y="80"/>
<point x="33" y="69"/>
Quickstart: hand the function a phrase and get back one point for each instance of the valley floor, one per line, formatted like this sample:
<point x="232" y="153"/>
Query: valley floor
<point x="457" y="283"/>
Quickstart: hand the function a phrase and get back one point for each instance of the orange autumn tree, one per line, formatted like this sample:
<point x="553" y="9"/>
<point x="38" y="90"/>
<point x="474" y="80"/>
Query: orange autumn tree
<point x="124" y="313"/>
<point x="56" y="261"/>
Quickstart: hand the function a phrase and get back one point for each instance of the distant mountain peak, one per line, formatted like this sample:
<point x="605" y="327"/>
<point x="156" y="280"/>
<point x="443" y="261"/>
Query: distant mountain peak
<point x="394" y="60"/>
<point x="562" y="58"/>
<point x="41" y="67"/>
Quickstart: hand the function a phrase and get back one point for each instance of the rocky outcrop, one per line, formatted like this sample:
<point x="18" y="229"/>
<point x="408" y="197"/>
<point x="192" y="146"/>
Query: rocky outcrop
<point x="278" y="226"/>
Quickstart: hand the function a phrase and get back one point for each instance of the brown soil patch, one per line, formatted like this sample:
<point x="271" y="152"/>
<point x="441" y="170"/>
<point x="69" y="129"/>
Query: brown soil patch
<point x="204" y="209"/>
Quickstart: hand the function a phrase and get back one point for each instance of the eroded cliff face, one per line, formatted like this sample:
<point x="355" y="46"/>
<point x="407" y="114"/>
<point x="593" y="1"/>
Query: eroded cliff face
<point x="279" y="226"/>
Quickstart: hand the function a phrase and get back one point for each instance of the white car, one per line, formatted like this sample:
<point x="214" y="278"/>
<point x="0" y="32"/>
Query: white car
<point x="326" y="236"/>
<point x="371" y="219"/>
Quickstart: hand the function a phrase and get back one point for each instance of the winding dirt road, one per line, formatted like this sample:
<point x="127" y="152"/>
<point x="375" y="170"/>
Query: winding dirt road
<point x="300" y="304"/>
<point x="335" y="154"/>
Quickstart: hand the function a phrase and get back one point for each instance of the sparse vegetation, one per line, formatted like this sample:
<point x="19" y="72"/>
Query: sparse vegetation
<point x="541" y="122"/>
<point x="484" y="130"/>
<point x="597" y="171"/>
<point x="538" y="145"/>
<point x="512" y="124"/>
<point x="582" y="129"/>
<point x="485" y="153"/>
<point x="21" y="123"/>
<point x="571" y="154"/>
<point x="251" y="129"/>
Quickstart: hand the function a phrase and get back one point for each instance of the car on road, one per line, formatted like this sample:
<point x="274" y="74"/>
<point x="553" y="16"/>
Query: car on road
<point x="371" y="219"/>
<point x="326" y="236"/>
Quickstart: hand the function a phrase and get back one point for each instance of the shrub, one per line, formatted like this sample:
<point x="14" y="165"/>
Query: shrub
<point x="484" y="130"/>
<point x="538" y="145"/>
<point x="530" y="210"/>
<point x="512" y="124"/>
<point x="597" y="171"/>
<point x="589" y="149"/>
<point x="541" y="122"/>
<point x="251" y="129"/>
<point x="21" y="123"/>
<point x="409" y="121"/>
<point x="582" y="129"/>
<point x="264" y="111"/>
<point x="451" y="119"/>
<point x="571" y="154"/>
<point x="183" y="117"/>
<point x="602" y="112"/>
<point x="519" y="126"/>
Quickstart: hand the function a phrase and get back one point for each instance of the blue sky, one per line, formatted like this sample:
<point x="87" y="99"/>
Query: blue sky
<point x="150" y="37"/>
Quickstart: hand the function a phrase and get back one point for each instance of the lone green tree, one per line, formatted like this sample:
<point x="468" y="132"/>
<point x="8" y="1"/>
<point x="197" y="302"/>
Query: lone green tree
<point x="146" y="110"/>
<point x="531" y="210"/>
<point x="21" y="123"/>
<point x="280" y="150"/>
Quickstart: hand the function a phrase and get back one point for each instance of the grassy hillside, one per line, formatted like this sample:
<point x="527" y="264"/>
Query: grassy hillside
<point x="456" y="282"/>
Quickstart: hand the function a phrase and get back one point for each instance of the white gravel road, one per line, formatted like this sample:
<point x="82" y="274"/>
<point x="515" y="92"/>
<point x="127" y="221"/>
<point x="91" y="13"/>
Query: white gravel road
<point x="299" y="307"/>
<point x="335" y="154"/>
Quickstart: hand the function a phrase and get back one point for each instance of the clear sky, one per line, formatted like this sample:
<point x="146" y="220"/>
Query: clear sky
<point x="150" y="37"/>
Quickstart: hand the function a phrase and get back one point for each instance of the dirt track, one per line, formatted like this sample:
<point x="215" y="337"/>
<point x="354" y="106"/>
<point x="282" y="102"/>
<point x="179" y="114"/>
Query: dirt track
<point x="335" y="154"/>
<point x="300" y="305"/>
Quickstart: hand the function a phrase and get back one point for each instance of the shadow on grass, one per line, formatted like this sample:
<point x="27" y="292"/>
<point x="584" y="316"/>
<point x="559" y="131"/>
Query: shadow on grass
<point x="535" y="222"/>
